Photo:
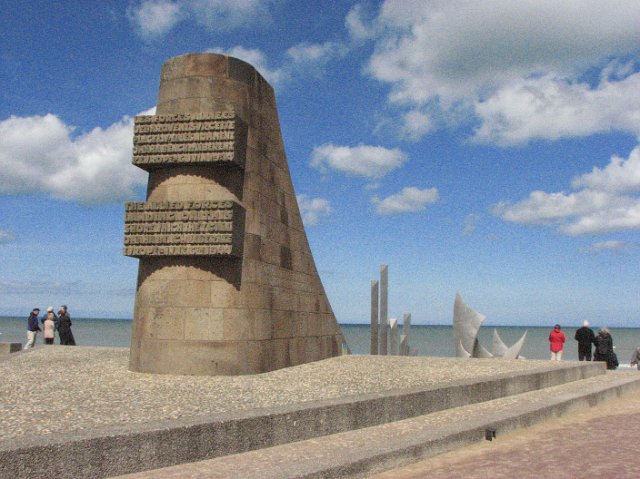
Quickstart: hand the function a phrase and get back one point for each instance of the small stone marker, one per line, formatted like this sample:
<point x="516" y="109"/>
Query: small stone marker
<point x="8" y="348"/>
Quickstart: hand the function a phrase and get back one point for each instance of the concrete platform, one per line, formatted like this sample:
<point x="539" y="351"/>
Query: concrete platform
<point x="360" y="453"/>
<point x="86" y="415"/>
<point x="589" y="443"/>
<point x="8" y="348"/>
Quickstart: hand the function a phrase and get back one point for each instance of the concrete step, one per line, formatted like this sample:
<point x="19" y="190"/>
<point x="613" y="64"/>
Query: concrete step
<point x="104" y="451"/>
<point x="362" y="452"/>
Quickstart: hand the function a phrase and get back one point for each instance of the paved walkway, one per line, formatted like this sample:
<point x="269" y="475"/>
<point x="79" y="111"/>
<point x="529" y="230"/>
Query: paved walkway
<point x="598" y="442"/>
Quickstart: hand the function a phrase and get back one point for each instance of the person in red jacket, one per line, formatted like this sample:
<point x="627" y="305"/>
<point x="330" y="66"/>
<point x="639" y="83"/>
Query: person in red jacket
<point x="556" y="343"/>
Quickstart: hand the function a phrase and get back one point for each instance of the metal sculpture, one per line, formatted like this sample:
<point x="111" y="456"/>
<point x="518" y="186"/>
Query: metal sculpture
<point x="466" y="325"/>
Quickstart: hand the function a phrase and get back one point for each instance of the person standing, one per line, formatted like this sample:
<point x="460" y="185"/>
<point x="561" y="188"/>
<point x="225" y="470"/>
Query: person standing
<point x="604" y="347"/>
<point x="556" y="343"/>
<point x="49" y="326"/>
<point x="32" y="328"/>
<point x="635" y="359"/>
<point x="64" y="327"/>
<point x="585" y="337"/>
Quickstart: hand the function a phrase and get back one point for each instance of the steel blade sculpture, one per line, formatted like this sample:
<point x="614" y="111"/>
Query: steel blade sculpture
<point x="466" y="325"/>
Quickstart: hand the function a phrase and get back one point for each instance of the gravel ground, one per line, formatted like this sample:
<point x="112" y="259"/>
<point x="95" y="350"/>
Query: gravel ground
<point x="54" y="389"/>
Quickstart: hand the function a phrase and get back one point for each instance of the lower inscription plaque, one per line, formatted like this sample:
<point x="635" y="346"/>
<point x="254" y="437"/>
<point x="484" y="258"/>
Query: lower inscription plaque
<point x="190" y="228"/>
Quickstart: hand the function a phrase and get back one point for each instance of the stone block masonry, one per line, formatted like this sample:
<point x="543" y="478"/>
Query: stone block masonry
<point x="227" y="284"/>
<point x="8" y="348"/>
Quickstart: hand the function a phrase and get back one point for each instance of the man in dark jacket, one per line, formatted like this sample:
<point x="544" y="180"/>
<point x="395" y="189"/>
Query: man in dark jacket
<point x="585" y="337"/>
<point x="32" y="328"/>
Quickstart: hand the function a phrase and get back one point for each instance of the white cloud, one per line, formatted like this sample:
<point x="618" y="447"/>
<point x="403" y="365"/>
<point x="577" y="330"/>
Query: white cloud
<point x="227" y="15"/>
<point x="363" y="160"/>
<point x="470" y="223"/>
<point x="303" y="58"/>
<point x="39" y="155"/>
<point x="500" y="55"/>
<point x="415" y="125"/>
<point x="608" y="201"/>
<point x="315" y="52"/>
<point x="155" y="18"/>
<point x="6" y="237"/>
<point x="610" y="245"/>
<point x="257" y="59"/>
<point x="619" y="175"/>
<point x="48" y="286"/>
<point x="356" y="25"/>
<point x="313" y="209"/>
<point x="409" y="200"/>
<point x="551" y="108"/>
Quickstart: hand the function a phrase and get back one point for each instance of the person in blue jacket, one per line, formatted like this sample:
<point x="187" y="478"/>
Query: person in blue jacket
<point x="32" y="328"/>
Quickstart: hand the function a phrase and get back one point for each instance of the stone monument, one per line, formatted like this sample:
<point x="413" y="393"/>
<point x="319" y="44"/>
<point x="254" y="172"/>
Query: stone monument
<point x="226" y="284"/>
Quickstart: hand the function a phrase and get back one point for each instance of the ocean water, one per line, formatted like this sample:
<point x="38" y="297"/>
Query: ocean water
<point x="426" y="340"/>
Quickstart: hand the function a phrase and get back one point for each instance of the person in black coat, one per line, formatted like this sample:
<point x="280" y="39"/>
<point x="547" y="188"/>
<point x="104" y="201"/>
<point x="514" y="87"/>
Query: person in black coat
<point x="604" y="349"/>
<point x="585" y="338"/>
<point x="64" y="327"/>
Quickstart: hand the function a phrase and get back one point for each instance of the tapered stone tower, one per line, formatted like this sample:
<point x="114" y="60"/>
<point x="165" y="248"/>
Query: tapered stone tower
<point x="226" y="283"/>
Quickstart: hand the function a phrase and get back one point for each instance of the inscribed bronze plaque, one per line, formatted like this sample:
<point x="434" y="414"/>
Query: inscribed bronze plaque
<point x="195" y="139"/>
<point x="183" y="228"/>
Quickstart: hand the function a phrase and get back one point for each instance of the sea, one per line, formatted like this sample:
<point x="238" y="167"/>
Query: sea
<point x="425" y="340"/>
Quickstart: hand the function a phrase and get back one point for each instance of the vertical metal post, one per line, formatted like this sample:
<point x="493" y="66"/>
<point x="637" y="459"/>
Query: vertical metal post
<point x="406" y="329"/>
<point x="374" y="317"/>
<point x="384" y="298"/>
<point x="393" y="349"/>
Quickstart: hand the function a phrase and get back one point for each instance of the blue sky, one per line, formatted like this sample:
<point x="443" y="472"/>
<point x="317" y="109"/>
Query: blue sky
<point x="490" y="148"/>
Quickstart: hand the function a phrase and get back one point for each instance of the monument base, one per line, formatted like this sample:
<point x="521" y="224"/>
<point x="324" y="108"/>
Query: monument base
<point x="7" y="348"/>
<point x="373" y="409"/>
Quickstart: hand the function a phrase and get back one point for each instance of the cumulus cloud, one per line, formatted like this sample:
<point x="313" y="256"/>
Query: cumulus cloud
<point x="315" y="52"/>
<point x="415" y="124"/>
<point x="303" y="58"/>
<point x="367" y="161"/>
<point x="607" y="200"/>
<point x="41" y="286"/>
<point x="154" y="18"/>
<point x="313" y="209"/>
<point x="408" y="200"/>
<point x="39" y="154"/>
<point x="619" y="176"/>
<point x="610" y="245"/>
<point x="496" y="55"/>
<point x="470" y="223"/>
<point x="357" y="26"/>
<point x="6" y="237"/>
<point x="551" y="108"/>
<point x="255" y="58"/>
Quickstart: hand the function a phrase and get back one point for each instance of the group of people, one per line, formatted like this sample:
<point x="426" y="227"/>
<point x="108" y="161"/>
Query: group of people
<point x="586" y="338"/>
<point x="50" y="323"/>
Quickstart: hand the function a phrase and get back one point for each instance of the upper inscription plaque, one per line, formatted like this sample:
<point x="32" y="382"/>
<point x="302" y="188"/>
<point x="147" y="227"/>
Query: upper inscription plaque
<point x="195" y="139"/>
